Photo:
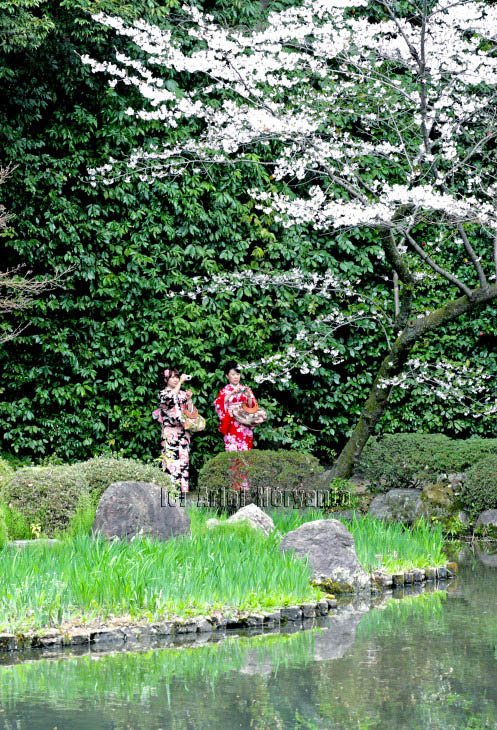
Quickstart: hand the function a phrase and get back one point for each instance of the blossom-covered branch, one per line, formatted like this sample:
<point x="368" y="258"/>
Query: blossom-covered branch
<point x="365" y="115"/>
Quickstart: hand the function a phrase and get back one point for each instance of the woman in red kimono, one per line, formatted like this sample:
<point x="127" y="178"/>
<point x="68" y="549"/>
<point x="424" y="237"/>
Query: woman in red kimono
<point x="237" y="437"/>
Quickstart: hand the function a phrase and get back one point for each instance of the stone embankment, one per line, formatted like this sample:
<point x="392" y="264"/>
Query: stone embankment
<point x="119" y="631"/>
<point x="337" y="629"/>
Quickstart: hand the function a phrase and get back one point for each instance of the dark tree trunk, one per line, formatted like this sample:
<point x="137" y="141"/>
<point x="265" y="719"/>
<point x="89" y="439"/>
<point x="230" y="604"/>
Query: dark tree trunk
<point x="392" y="365"/>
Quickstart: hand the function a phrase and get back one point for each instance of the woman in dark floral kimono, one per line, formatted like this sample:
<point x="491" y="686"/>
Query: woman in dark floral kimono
<point x="175" y="439"/>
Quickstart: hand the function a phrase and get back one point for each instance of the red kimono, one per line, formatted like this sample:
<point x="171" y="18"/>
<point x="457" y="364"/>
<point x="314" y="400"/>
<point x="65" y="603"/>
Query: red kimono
<point x="237" y="437"/>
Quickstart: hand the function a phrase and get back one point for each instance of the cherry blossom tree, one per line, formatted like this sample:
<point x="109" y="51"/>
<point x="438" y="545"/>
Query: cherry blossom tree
<point x="375" y="116"/>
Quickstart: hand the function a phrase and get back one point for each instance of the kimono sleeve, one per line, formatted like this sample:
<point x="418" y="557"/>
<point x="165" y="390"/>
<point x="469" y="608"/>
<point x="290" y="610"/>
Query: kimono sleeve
<point x="224" y="416"/>
<point x="170" y="408"/>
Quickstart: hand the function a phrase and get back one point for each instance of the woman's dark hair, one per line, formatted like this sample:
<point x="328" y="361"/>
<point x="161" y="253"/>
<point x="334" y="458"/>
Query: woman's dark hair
<point x="172" y="371"/>
<point x="231" y="365"/>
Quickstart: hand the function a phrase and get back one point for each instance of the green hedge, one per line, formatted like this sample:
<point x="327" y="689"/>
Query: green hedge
<point x="276" y="470"/>
<point x="479" y="491"/>
<point x="101" y="471"/>
<point x="52" y="496"/>
<point x="407" y="459"/>
<point x="4" y="534"/>
<point x="46" y="496"/>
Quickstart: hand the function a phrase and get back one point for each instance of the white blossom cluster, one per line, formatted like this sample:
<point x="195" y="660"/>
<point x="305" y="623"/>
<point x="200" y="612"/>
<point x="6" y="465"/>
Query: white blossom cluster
<point x="323" y="284"/>
<point x="268" y="82"/>
<point x="449" y="381"/>
<point x="386" y="124"/>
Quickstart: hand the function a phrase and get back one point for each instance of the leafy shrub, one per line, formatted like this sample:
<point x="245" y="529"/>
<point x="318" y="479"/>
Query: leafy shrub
<point x="47" y="496"/>
<point x="405" y="459"/>
<point x="5" y="472"/>
<point x="342" y="495"/>
<point x="275" y="471"/>
<point x="17" y="525"/>
<point x="4" y="534"/>
<point x="479" y="491"/>
<point x="81" y="522"/>
<point x="101" y="471"/>
<point x="466" y="453"/>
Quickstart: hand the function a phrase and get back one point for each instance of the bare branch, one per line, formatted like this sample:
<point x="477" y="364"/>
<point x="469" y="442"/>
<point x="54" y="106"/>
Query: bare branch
<point x="443" y="272"/>
<point x="474" y="258"/>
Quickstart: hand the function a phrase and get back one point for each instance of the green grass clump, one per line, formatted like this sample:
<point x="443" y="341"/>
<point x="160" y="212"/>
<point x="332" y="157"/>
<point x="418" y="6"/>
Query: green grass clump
<point x="6" y="471"/>
<point x="4" y="534"/>
<point x="231" y="566"/>
<point x="392" y="546"/>
<point x="396" y="547"/>
<point x="85" y="577"/>
<point x="81" y="522"/>
<point x="17" y="525"/>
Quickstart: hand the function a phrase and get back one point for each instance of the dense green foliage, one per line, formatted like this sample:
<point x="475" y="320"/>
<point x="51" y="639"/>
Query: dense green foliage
<point x="45" y="495"/>
<point x="100" y="472"/>
<point x="479" y="491"/>
<point x="263" y="470"/>
<point x="82" y="378"/>
<point x="63" y="498"/>
<point x="406" y="459"/>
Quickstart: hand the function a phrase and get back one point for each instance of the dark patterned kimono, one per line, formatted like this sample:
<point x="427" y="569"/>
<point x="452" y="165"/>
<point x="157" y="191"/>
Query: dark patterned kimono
<point x="175" y="440"/>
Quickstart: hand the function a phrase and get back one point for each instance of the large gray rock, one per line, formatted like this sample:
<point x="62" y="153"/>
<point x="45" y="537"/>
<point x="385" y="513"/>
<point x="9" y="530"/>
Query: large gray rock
<point x="488" y="521"/>
<point x="127" y="509"/>
<point x="330" y="550"/>
<point x="251" y="514"/>
<point x="398" y="505"/>
<point x="255" y="517"/>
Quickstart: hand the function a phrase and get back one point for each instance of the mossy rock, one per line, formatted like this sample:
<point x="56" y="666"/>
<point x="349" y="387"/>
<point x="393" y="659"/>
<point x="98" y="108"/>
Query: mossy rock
<point x="440" y="494"/>
<point x="332" y="588"/>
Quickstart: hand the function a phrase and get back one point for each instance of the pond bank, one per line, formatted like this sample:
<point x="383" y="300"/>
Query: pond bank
<point x="120" y="635"/>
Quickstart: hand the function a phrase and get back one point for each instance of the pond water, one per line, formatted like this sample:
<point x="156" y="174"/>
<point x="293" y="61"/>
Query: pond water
<point x="421" y="661"/>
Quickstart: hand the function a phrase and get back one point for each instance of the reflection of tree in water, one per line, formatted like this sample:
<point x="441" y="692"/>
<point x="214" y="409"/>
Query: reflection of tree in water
<point x="419" y="663"/>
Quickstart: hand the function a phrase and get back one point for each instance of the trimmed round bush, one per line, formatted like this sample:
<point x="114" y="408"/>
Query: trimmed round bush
<point x="5" y="472"/>
<point x="479" y="491"/>
<point x="278" y="470"/>
<point x="101" y="471"/>
<point x="46" y="495"/>
<point x="4" y="535"/>
<point x="403" y="460"/>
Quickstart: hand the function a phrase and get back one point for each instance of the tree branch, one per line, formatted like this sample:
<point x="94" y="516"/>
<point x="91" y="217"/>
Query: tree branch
<point x="443" y="272"/>
<point x="474" y="258"/>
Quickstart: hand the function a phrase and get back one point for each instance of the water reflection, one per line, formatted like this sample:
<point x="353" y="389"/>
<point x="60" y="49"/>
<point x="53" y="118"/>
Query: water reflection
<point x="426" y="661"/>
